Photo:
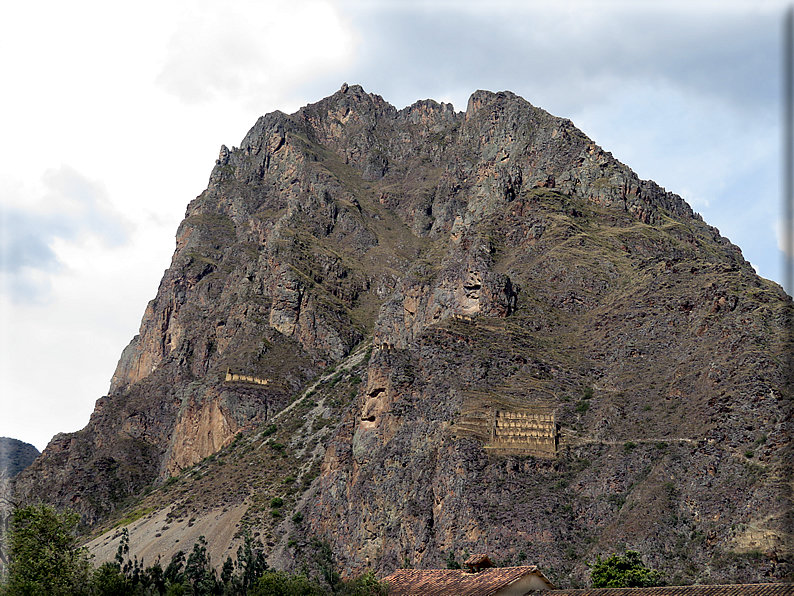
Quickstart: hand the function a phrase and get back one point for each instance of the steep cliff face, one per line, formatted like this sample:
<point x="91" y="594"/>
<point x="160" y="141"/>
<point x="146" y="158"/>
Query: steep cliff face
<point x="499" y="262"/>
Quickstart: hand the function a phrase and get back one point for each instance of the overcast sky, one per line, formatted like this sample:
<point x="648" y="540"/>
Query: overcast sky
<point x="113" y="114"/>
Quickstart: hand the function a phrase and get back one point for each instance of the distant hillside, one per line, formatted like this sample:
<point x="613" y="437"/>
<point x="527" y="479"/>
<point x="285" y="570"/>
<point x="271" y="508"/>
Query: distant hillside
<point x="15" y="456"/>
<point x="390" y="336"/>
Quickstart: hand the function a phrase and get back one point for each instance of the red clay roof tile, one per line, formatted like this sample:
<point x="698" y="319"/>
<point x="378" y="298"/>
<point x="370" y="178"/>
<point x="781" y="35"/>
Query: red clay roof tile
<point x="708" y="590"/>
<point x="457" y="582"/>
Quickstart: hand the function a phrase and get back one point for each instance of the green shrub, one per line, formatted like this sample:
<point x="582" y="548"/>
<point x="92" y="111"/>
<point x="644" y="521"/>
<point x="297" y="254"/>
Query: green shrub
<point x="623" y="571"/>
<point x="108" y="580"/>
<point x="280" y="583"/>
<point x="46" y="557"/>
<point x="451" y="562"/>
<point x="363" y="585"/>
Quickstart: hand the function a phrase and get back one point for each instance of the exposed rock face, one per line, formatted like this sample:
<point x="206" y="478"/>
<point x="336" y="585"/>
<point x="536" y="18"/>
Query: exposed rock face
<point x="498" y="259"/>
<point x="15" y="456"/>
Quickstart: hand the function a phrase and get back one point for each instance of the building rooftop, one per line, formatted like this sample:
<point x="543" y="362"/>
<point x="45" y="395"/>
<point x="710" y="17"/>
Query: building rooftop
<point x="705" y="590"/>
<point x="459" y="582"/>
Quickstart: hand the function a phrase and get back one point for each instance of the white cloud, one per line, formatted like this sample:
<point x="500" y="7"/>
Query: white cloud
<point x="72" y="209"/>
<point x="253" y="52"/>
<point x="83" y="207"/>
<point x="57" y="358"/>
<point x="784" y="237"/>
<point x="785" y="244"/>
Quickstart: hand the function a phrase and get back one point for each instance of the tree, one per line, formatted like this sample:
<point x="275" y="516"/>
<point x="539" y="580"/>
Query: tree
<point x="44" y="554"/>
<point x="363" y="585"/>
<point x="280" y="583"/>
<point x="451" y="562"/>
<point x="227" y="572"/>
<point x="112" y="578"/>
<point x="199" y="571"/>
<point x="623" y="571"/>
<point x="126" y="577"/>
<point x="251" y="562"/>
<point x="108" y="580"/>
<point x="173" y="573"/>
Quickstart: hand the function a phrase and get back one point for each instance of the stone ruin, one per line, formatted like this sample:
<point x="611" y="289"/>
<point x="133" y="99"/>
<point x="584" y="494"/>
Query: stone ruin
<point x="510" y="429"/>
<point x="523" y="432"/>
<point x="235" y="378"/>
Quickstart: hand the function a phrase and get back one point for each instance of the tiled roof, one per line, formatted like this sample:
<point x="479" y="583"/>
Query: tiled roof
<point x="715" y="590"/>
<point x="457" y="582"/>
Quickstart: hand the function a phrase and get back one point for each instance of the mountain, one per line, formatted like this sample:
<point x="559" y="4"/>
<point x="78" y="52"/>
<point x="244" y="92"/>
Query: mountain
<point x="388" y="337"/>
<point x="15" y="456"/>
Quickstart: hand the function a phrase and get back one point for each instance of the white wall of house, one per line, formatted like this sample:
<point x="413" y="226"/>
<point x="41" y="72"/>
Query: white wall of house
<point x="523" y="585"/>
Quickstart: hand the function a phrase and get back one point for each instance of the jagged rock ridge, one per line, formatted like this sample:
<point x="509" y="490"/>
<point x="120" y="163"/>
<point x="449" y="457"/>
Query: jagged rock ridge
<point x="497" y="259"/>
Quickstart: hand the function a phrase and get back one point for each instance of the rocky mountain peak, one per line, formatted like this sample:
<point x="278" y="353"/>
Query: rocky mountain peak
<point x="430" y="331"/>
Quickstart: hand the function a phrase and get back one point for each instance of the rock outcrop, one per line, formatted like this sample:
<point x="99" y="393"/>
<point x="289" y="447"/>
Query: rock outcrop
<point x="497" y="260"/>
<point x="15" y="456"/>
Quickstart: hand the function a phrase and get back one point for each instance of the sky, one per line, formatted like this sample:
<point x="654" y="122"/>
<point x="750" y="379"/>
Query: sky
<point x="113" y="115"/>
